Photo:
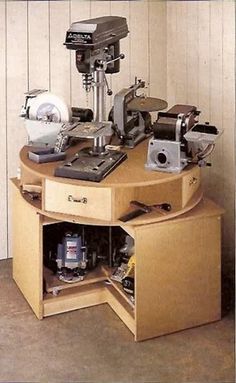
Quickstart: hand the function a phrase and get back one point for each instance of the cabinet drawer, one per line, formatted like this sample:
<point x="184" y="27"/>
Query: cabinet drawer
<point x="90" y="202"/>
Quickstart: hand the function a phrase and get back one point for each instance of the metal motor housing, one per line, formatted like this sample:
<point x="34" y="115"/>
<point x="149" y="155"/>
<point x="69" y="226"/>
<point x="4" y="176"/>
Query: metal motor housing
<point x="95" y="38"/>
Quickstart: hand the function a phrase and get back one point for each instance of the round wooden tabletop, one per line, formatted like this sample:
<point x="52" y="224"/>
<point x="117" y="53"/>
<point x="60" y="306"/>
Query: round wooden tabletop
<point x="131" y="172"/>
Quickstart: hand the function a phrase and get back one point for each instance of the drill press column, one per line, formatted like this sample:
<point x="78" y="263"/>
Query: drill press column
<point x="99" y="107"/>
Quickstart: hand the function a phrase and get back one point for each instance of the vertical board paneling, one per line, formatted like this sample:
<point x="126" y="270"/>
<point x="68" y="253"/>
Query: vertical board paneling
<point x="60" y="64"/>
<point x="122" y="79"/>
<point x="180" y="39"/>
<point x="3" y="162"/>
<point x="216" y="92"/>
<point x="208" y="41"/>
<point x="139" y="41"/>
<point x="17" y="79"/>
<point x="17" y="84"/>
<point x="157" y="48"/>
<point x="171" y="52"/>
<point x="102" y="8"/>
<point x="80" y="10"/>
<point x="204" y="71"/>
<point x="191" y="53"/>
<point x="204" y="59"/>
<point x="177" y="52"/>
<point x="228" y="138"/>
<point x="38" y="51"/>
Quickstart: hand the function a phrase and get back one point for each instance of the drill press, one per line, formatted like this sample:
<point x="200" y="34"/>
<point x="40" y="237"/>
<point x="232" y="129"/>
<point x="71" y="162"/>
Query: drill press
<point x="97" y="51"/>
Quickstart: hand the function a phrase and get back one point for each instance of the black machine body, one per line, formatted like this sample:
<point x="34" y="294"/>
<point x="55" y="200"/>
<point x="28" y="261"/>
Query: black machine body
<point x="86" y="166"/>
<point x="97" y="39"/>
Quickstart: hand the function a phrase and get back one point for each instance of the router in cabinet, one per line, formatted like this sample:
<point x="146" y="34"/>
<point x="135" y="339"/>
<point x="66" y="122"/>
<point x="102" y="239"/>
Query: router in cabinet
<point x="177" y="272"/>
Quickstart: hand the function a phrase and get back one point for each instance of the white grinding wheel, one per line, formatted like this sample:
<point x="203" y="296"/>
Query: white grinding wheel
<point x="48" y="107"/>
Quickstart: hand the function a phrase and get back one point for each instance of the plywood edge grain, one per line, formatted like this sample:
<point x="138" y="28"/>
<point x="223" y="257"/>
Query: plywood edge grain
<point x="73" y="299"/>
<point x="121" y="308"/>
<point x="130" y="173"/>
<point x="205" y="208"/>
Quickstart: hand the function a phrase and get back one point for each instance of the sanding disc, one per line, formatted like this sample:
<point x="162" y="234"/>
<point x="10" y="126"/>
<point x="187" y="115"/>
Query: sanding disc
<point x="146" y="104"/>
<point x="48" y="107"/>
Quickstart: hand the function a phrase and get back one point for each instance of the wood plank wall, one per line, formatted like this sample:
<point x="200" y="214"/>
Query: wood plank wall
<point x="201" y="72"/>
<point x="32" y="55"/>
<point x="184" y="50"/>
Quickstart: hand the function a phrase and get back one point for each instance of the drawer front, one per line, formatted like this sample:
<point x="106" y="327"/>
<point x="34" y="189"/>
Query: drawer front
<point x="191" y="183"/>
<point x="84" y="201"/>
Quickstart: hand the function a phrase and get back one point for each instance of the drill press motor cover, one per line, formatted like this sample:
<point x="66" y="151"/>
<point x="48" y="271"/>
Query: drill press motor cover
<point x="94" y="37"/>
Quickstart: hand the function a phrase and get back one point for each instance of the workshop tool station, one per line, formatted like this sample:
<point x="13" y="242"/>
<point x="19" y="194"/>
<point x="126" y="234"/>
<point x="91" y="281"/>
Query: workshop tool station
<point x="109" y="207"/>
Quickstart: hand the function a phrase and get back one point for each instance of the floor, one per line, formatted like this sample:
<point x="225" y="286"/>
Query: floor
<point x="93" y="345"/>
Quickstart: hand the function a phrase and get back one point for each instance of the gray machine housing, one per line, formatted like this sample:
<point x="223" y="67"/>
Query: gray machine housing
<point x="97" y="39"/>
<point x="69" y="252"/>
<point x="165" y="156"/>
<point x="96" y="33"/>
<point x="180" y="140"/>
<point x="132" y="126"/>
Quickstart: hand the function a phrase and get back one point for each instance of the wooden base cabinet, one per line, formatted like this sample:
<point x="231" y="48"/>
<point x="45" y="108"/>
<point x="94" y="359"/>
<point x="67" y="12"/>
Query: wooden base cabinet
<point x="177" y="273"/>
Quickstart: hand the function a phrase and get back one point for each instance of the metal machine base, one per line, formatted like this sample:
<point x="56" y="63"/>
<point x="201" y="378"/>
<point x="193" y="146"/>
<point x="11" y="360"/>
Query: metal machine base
<point x="90" y="167"/>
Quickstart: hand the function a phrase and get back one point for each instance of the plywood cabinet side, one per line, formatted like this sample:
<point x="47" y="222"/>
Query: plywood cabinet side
<point x="150" y="194"/>
<point x="178" y="192"/>
<point x="191" y="183"/>
<point x="75" y="298"/>
<point x="27" y="250"/>
<point x="29" y="177"/>
<point x="178" y="275"/>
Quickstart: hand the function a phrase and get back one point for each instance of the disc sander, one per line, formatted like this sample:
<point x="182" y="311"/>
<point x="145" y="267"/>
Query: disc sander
<point x="146" y="104"/>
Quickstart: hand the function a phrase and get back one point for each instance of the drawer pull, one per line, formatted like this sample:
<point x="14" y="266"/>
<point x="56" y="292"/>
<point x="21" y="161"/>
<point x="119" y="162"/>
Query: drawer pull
<point x="193" y="181"/>
<point x="81" y="200"/>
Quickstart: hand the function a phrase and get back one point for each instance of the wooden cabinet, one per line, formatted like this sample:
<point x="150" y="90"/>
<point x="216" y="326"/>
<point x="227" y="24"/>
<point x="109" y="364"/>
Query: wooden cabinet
<point x="177" y="272"/>
<point x="27" y="251"/>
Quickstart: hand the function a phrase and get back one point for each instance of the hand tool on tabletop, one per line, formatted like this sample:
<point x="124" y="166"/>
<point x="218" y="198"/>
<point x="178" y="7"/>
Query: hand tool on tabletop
<point x="142" y="208"/>
<point x="32" y="195"/>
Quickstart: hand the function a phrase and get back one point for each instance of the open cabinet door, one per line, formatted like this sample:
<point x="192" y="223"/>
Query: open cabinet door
<point x="178" y="272"/>
<point x="26" y="249"/>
